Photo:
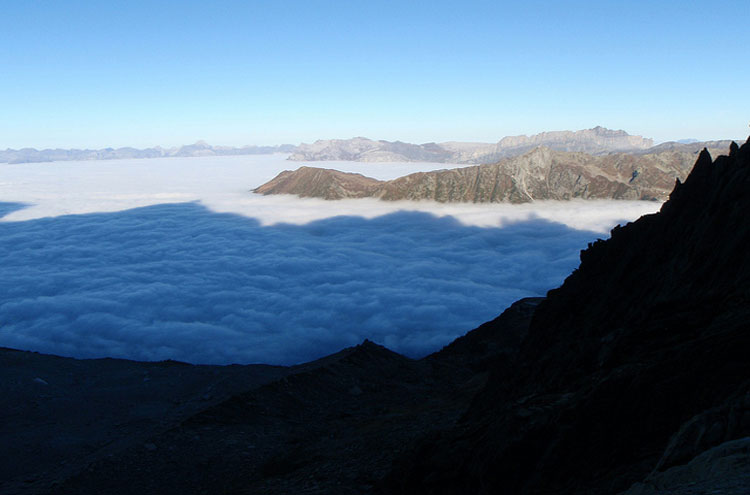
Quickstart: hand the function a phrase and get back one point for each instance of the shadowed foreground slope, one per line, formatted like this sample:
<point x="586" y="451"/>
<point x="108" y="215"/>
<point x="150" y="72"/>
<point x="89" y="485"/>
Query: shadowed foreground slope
<point x="637" y="364"/>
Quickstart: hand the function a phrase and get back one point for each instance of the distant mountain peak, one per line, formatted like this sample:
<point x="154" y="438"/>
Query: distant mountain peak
<point x="607" y="130"/>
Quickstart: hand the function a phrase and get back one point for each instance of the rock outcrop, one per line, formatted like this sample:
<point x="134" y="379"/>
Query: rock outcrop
<point x="539" y="174"/>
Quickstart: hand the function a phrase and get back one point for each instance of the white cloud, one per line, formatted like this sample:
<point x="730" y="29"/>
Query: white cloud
<point x="228" y="276"/>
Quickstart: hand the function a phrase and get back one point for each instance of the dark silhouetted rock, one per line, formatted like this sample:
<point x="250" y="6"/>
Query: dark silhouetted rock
<point x="638" y="363"/>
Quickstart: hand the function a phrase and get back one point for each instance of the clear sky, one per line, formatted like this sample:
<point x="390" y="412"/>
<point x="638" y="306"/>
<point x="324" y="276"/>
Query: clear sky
<point x="145" y="73"/>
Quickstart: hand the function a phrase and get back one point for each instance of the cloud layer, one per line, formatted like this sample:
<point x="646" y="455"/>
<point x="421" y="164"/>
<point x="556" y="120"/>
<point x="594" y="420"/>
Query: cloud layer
<point x="177" y="281"/>
<point x="222" y="184"/>
<point x="175" y="259"/>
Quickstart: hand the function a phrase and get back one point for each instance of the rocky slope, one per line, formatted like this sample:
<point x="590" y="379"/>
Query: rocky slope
<point x="538" y="174"/>
<point x="58" y="414"/>
<point x="594" y="141"/>
<point x="632" y="377"/>
<point x="321" y="183"/>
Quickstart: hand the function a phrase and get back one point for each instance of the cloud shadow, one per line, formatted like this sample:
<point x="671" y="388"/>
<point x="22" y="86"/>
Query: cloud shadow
<point x="178" y="281"/>
<point x="8" y="208"/>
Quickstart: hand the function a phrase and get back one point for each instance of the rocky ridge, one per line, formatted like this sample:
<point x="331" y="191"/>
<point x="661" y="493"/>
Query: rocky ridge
<point x="540" y="174"/>
<point x="321" y="183"/>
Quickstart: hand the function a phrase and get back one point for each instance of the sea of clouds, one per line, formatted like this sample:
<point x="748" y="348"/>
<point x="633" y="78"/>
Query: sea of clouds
<point x="175" y="259"/>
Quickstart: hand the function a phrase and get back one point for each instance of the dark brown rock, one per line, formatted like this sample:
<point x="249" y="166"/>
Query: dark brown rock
<point x="320" y="183"/>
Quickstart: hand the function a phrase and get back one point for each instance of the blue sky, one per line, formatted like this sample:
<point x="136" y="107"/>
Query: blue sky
<point x="96" y="74"/>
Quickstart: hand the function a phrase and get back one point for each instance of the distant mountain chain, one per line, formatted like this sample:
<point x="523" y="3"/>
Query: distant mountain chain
<point x="596" y="141"/>
<point x="539" y="174"/>
<point x="29" y="155"/>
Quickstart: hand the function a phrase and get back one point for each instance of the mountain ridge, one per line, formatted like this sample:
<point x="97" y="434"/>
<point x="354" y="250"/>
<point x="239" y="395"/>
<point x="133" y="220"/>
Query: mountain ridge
<point x="539" y="174"/>
<point x="597" y="140"/>
<point x="199" y="148"/>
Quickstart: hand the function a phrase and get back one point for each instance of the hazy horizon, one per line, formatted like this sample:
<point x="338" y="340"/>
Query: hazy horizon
<point x="297" y="143"/>
<point x="242" y="145"/>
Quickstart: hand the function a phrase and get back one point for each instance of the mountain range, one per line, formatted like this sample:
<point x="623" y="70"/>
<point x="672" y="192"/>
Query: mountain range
<point x="594" y="141"/>
<point x="200" y="148"/>
<point x="541" y="173"/>
<point x="631" y="378"/>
